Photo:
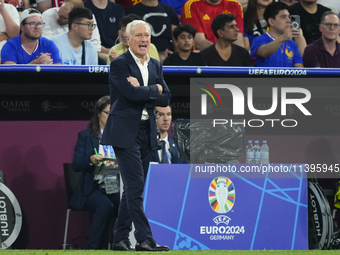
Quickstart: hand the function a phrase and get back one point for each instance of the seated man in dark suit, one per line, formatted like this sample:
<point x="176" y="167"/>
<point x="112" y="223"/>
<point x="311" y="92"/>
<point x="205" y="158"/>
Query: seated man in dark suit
<point x="168" y="154"/>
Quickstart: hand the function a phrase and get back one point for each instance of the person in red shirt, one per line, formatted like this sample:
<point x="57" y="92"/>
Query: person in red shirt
<point x="200" y="14"/>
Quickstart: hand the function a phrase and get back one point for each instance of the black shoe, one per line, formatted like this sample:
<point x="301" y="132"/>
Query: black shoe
<point x="123" y="245"/>
<point x="150" y="245"/>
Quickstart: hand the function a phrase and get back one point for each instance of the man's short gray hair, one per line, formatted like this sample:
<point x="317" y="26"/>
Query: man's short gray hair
<point x="136" y="23"/>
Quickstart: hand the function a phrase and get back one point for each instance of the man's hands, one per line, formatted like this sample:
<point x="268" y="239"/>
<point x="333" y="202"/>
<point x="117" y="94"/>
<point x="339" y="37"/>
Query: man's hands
<point x="160" y="88"/>
<point x="289" y="34"/>
<point x="134" y="82"/>
<point x="44" y="59"/>
<point x="112" y="54"/>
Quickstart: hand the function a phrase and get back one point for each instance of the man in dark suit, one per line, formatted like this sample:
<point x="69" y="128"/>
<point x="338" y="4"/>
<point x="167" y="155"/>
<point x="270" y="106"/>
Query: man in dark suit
<point x="168" y="154"/>
<point x="136" y="87"/>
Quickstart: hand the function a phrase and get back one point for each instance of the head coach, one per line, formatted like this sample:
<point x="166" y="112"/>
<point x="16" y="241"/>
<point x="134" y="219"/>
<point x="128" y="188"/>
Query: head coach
<point x="136" y="87"/>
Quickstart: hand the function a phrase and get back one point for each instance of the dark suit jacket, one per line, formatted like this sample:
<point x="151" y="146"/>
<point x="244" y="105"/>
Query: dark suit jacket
<point x="173" y="151"/>
<point x="81" y="162"/>
<point x="127" y="101"/>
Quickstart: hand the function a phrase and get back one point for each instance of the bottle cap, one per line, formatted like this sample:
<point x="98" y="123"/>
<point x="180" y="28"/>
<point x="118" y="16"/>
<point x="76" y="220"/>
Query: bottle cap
<point x="250" y="141"/>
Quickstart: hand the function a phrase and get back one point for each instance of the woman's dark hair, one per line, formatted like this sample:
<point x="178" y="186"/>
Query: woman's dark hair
<point x="250" y="16"/>
<point x="94" y="121"/>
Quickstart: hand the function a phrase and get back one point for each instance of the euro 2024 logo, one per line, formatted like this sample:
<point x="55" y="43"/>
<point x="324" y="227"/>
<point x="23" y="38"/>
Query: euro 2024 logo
<point x="221" y="194"/>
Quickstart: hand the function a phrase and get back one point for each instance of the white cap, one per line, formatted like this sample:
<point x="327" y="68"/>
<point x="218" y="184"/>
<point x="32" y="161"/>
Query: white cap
<point x="29" y="13"/>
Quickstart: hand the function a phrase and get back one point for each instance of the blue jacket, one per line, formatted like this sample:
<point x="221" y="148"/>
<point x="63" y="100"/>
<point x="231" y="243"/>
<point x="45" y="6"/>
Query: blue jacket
<point x="81" y="162"/>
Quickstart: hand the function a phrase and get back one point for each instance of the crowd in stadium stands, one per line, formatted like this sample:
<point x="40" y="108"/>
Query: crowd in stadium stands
<point x="259" y="33"/>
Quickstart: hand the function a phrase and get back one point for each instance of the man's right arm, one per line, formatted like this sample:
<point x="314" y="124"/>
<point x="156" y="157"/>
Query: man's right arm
<point x="266" y="50"/>
<point x="11" y="23"/>
<point x="119" y="72"/>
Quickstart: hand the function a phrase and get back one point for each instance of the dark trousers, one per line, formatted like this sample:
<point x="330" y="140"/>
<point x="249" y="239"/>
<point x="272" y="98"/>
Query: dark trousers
<point x="104" y="208"/>
<point x="133" y="164"/>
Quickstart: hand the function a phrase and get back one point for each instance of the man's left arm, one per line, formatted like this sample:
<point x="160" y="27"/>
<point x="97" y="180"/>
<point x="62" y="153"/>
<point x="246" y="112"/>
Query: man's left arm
<point x="298" y="61"/>
<point x="301" y="42"/>
<point x="162" y="99"/>
<point x="53" y="50"/>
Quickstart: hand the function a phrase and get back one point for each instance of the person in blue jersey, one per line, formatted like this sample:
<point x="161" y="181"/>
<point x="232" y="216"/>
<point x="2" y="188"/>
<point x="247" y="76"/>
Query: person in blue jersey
<point x="276" y="47"/>
<point x="74" y="46"/>
<point x="29" y="47"/>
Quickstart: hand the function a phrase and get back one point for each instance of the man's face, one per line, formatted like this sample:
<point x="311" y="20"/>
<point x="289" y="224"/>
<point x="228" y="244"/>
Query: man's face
<point x="163" y="118"/>
<point x="31" y="28"/>
<point x="185" y="41"/>
<point x="63" y="13"/>
<point x="139" y="42"/>
<point x="122" y="36"/>
<point x="229" y="32"/>
<point x="281" y="22"/>
<point x="328" y="29"/>
<point x="83" y="29"/>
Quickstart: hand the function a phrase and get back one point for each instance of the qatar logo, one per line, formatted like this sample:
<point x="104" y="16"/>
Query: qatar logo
<point x="221" y="194"/>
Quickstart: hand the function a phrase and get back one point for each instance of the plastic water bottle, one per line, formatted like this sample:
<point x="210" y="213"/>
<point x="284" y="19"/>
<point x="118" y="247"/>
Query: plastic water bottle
<point x="257" y="153"/>
<point x="250" y="153"/>
<point x="264" y="153"/>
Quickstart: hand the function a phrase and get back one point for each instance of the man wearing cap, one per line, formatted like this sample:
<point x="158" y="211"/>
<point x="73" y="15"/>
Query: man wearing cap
<point x="30" y="47"/>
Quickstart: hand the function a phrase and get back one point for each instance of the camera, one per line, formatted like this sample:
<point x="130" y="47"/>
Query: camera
<point x="295" y="21"/>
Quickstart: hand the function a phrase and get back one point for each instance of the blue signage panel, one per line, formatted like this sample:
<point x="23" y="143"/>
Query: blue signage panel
<point x="225" y="212"/>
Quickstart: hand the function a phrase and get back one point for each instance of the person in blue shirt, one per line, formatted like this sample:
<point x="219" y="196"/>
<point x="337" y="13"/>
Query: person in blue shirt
<point x="74" y="46"/>
<point x="30" y="47"/>
<point x="275" y="48"/>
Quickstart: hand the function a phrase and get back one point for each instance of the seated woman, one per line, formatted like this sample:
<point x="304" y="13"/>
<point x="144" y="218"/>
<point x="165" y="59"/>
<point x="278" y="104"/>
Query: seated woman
<point x="98" y="189"/>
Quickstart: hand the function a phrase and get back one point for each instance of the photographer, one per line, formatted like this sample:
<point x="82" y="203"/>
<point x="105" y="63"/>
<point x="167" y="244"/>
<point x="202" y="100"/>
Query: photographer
<point x="282" y="45"/>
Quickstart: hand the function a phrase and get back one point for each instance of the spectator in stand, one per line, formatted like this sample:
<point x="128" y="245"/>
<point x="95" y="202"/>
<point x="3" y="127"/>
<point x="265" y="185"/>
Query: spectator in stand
<point x="74" y="47"/>
<point x="310" y="15"/>
<point x="276" y="48"/>
<point x="30" y="47"/>
<point x="56" y="21"/>
<point x="334" y="5"/>
<point x="184" y="36"/>
<point x="254" y="22"/>
<point x="325" y="52"/>
<point x="108" y="16"/>
<point x="163" y="20"/>
<point x="123" y="44"/>
<point x="9" y="22"/>
<point x="224" y="52"/>
<point x="200" y="14"/>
